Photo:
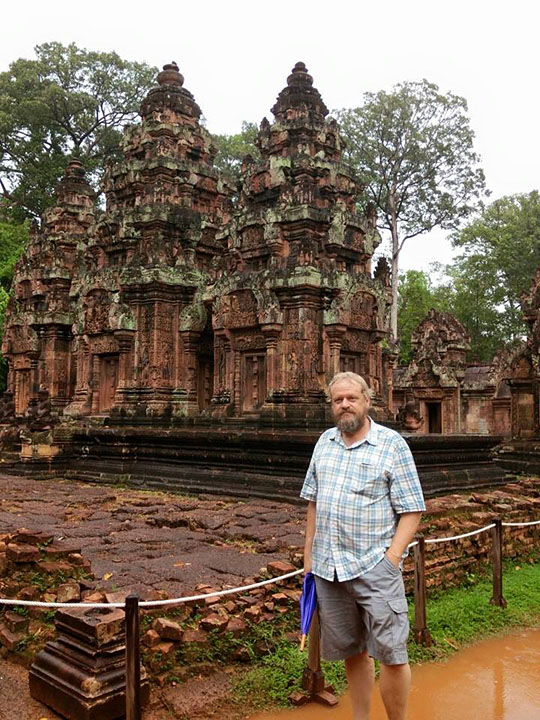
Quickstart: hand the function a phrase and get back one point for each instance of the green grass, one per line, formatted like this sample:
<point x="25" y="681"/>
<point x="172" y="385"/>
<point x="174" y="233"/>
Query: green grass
<point x="455" y="618"/>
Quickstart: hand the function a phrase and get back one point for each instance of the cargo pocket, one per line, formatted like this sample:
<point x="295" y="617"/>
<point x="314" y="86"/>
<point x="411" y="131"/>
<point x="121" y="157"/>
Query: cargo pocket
<point x="400" y="621"/>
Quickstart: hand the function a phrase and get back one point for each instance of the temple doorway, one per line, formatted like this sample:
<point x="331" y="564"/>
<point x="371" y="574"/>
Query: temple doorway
<point x="108" y="380"/>
<point x="22" y="390"/>
<point x="205" y="366"/>
<point x="434" y="417"/>
<point x="353" y="362"/>
<point x="253" y="381"/>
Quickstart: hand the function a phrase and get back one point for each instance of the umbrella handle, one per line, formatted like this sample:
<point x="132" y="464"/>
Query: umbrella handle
<point x="303" y="643"/>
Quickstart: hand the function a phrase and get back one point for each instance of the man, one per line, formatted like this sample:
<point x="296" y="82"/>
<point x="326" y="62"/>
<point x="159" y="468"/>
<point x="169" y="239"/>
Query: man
<point x="365" y="504"/>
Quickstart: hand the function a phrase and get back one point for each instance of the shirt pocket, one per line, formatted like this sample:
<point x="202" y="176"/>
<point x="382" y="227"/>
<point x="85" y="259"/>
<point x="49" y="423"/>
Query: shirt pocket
<point x="369" y="481"/>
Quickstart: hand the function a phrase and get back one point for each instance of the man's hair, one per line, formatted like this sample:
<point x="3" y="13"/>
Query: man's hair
<point x="367" y="392"/>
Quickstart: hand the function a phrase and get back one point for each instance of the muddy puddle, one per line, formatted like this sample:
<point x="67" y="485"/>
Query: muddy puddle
<point x="498" y="679"/>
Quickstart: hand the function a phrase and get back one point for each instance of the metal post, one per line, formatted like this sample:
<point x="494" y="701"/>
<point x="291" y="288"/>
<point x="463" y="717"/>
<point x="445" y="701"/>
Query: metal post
<point x="421" y="632"/>
<point x="133" y="664"/>
<point x="496" y="557"/>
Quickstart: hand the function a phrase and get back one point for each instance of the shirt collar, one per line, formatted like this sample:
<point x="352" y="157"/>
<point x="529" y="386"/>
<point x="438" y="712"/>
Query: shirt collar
<point x="371" y="438"/>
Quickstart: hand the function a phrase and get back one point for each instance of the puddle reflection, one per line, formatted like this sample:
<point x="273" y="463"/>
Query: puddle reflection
<point x="498" y="679"/>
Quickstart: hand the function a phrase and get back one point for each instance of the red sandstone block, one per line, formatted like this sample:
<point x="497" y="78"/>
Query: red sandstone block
<point x="9" y="639"/>
<point x="28" y="593"/>
<point x="278" y="567"/>
<point x="214" y="622"/>
<point x="236" y="626"/>
<point x="14" y="622"/>
<point x="280" y="598"/>
<point x="253" y="614"/>
<point x="150" y="638"/>
<point x="68" y="592"/>
<point x="30" y="537"/>
<point x="22" y="553"/>
<point x="195" y="636"/>
<point x="51" y="567"/>
<point x="167" y="629"/>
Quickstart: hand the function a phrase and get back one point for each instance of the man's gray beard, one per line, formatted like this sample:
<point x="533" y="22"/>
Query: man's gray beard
<point x="348" y="424"/>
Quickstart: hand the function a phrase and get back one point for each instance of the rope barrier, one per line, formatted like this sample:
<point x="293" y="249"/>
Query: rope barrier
<point x="458" y="537"/>
<point x="151" y="603"/>
<point x="231" y="591"/>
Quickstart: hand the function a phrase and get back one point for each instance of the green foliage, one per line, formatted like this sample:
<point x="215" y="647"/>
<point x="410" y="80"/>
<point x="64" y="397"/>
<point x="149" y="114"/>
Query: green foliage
<point x="413" y="149"/>
<point x="501" y="251"/>
<point x="233" y="148"/>
<point x="280" y="674"/>
<point x="460" y="616"/>
<point x="456" y="617"/>
<point x="13" y="238"/>
<point x="416" y="297"/>
<point x="66" y="102"/>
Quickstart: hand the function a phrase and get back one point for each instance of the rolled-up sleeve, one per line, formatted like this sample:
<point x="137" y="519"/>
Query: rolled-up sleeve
<point x="405" y="489"/>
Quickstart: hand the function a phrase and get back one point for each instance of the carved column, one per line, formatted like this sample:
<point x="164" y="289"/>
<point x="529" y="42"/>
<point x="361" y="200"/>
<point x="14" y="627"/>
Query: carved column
<point x="271" y="334"/>
<point x="190" y="343"/>
<point x="335" y="335"/>
<point x="94" y="384"/>
<point x="125" y="364"/>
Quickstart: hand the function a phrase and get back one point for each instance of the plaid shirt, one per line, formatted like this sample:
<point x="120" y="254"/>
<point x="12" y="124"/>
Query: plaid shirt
<point x="360" y="490"/>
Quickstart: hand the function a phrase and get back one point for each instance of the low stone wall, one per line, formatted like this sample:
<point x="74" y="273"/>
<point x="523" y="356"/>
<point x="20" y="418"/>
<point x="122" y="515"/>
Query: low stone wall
<point x="450" y="563"/>
<point x="242" y="461"/>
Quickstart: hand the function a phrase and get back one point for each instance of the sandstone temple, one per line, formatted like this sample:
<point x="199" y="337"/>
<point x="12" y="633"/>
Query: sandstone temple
<point x="187" y="331"/>
<point x="176" y="303"/>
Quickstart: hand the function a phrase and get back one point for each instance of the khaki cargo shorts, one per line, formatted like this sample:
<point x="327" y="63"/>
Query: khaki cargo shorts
<point x="367" y="613"/>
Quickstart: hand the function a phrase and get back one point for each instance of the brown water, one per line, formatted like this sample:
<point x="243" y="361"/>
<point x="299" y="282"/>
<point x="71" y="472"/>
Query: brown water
<point x="498" y="679"/>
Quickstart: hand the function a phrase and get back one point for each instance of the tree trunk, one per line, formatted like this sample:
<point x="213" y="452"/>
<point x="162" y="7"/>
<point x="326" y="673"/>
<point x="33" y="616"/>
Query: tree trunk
<point x="395" y="268"/>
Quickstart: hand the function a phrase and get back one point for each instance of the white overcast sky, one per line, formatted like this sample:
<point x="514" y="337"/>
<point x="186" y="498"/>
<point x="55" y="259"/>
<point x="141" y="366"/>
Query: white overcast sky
<point x="235" y="56"/>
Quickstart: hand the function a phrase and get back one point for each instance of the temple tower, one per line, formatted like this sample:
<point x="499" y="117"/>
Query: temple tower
<point x="144" y="342"/>
<point x="38" y="335"/>
<point x="296" y="301"/>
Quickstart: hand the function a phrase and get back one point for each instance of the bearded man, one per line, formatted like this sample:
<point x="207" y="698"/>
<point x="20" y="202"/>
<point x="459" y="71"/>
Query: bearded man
<point x="365" y="505"/>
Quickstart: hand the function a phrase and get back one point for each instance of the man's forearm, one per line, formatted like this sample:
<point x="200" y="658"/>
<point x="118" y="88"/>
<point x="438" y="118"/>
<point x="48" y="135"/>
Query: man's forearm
<point x="407" y="526"/>
<point x="310" y="533"/>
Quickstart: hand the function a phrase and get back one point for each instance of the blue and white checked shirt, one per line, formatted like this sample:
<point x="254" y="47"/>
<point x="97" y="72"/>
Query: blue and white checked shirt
<point x="360" y="491"/>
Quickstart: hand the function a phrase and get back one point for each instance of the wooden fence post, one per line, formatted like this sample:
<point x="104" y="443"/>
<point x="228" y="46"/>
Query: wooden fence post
<point x="133" y="664"/>
<point x="313" y="678"/>
<point x="421" y="633"/>
<point x="496" y="557"/>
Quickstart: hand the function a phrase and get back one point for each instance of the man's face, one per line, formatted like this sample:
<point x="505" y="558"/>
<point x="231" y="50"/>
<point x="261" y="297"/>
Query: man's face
<point x="349" y="406"/>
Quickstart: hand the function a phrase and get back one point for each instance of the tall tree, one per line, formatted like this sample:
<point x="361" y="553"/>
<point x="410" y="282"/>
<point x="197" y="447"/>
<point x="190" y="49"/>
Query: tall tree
<point x="66" y="102"/>
<point x="413" y="149"/>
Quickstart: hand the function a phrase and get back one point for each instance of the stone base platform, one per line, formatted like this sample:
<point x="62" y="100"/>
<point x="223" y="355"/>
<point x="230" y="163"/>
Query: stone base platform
<point x="242" y="461"/>
<point x="519" y="456"/>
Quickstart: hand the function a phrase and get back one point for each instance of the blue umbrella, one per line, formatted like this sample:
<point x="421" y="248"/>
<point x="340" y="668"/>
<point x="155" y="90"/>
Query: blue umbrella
<point x="308" y="603"/>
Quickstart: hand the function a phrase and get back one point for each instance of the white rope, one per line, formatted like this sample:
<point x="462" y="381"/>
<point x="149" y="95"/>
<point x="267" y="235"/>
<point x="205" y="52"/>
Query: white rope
<point x="231" y="591"/>
<point x="458" y="537"/>
<point x="150" y="603"/>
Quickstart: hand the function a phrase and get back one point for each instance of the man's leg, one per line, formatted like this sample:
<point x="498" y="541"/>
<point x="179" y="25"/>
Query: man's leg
<point x="394" y="683"/>
<point x="361" y="678"/>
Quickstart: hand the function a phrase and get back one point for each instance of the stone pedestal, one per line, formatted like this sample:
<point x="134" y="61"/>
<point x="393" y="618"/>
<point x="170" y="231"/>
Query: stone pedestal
<point x="81" y="674"/>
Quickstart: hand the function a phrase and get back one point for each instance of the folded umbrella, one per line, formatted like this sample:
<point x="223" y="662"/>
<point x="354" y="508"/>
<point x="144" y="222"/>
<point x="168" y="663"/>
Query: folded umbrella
<point x="308" y="603"/>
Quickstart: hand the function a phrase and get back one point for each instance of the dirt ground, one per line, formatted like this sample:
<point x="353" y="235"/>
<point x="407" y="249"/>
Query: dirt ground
<point x="144" y="541"/>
